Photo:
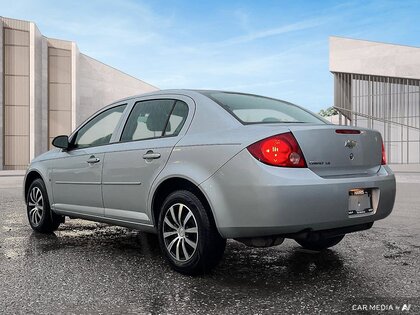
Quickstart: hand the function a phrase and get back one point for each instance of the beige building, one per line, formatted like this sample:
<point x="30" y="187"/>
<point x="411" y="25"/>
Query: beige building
<point x="377" y="85"/>
<point x="47" y="88"/>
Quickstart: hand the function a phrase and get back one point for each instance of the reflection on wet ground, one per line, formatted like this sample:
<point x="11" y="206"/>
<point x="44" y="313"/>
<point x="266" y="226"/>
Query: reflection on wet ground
<point x="88" y="267"/>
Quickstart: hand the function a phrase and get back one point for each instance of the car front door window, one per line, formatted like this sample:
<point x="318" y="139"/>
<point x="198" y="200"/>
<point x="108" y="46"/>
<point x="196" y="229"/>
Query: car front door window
<point x="98" y="131"/>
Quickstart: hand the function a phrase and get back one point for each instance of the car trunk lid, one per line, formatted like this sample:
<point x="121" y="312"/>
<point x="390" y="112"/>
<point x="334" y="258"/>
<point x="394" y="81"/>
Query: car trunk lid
<point x="334" y="151"/>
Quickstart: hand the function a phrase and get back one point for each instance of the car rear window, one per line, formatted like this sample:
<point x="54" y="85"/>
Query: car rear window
<point x="254" y="109"/>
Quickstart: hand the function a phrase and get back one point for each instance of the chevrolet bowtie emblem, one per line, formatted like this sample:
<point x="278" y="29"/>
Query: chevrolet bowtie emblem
<point x="350" y="144"/>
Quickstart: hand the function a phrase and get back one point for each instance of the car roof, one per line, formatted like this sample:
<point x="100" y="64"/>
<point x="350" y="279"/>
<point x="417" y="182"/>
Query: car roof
<point x="187" y="92"/>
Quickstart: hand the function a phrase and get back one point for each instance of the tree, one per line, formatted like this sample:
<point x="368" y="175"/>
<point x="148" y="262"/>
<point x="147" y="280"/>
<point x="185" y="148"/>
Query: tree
<point x="330" y="111"/>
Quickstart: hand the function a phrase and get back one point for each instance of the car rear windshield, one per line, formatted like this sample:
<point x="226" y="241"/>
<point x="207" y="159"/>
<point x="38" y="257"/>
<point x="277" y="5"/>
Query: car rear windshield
<point x="254" y="109"/>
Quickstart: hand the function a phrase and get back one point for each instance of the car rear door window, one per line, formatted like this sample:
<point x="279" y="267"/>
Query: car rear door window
<point x="155" y="118"/>
<point x="177" y="119"/>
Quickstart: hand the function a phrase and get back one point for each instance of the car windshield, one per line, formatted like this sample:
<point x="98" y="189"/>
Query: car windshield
<point x="254" y="109"/>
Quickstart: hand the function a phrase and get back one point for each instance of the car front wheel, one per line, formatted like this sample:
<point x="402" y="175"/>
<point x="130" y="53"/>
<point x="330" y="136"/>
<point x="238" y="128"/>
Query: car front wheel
<point x="320" y="244"/>
<point x="40" y="216"/>
<point x="187" y="235"/>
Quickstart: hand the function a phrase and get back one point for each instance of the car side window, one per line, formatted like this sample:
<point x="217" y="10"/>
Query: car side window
<point x="177" y="119"/>
<point x="98" y="131"/>
<point x="153" y="119"/>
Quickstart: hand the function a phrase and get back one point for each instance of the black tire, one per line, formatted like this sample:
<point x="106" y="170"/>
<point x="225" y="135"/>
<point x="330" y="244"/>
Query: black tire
<point x="45" y="220"/>
<point x="210" y="245"/>
<point x="320" y="244"/>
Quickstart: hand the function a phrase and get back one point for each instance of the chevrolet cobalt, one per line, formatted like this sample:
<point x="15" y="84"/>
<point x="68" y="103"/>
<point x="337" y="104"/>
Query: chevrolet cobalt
<point x="199" y="167"/>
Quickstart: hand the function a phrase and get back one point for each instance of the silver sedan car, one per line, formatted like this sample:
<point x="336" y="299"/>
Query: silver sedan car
<point x="199" y="167"/>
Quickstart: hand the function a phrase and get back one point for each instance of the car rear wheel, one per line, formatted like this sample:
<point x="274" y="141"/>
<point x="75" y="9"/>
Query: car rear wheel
<point x="40" y="216"/>
<point x="320" y="244"/>
<point x="187" y="236"/>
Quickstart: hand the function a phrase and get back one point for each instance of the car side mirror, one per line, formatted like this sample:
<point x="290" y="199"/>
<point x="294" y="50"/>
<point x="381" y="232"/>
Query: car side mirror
<point x="61" y="142"/>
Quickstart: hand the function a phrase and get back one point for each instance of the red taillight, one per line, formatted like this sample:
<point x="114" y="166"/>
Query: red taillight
<point x="280" y="150"/>
<point x="383" y="162"/>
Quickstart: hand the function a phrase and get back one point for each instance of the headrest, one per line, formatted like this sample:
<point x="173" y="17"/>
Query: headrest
<point x="156" y="121"/>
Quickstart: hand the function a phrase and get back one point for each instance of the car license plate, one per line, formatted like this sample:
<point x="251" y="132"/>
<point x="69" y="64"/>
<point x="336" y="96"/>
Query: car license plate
<point x="360" y="201"/>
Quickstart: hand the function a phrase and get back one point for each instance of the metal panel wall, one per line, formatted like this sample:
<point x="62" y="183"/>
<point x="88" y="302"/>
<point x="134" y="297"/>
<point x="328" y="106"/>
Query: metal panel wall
<point x="16" y="98"/>
<point x="389" y="105"/>
<point x="59" y="92"/>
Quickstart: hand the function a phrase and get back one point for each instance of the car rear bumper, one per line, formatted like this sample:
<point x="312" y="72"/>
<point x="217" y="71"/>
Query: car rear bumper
<point x="251" y="199"/>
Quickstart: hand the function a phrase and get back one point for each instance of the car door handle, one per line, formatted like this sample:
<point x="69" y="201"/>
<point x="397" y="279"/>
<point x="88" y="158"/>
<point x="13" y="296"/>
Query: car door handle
<point x="93" y="159"/>
<point x="150" y="155"/>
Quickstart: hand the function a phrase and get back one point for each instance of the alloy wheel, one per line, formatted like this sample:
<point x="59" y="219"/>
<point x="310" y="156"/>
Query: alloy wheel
<point x="180" y="232"/>
<point x="36" y="206"/>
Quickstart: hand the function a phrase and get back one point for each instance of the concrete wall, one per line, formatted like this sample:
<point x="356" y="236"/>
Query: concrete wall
<point x="43" y="145"/>
<point x="75" y="94"/>
<point x="100" y="85"/>
<point x="60" y="86"/>
<point x="366" y="57"/>
<point x="38" y="132"/>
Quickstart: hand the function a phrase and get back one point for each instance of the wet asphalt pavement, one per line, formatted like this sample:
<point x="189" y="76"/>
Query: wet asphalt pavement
<point x="88" y="267"/>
